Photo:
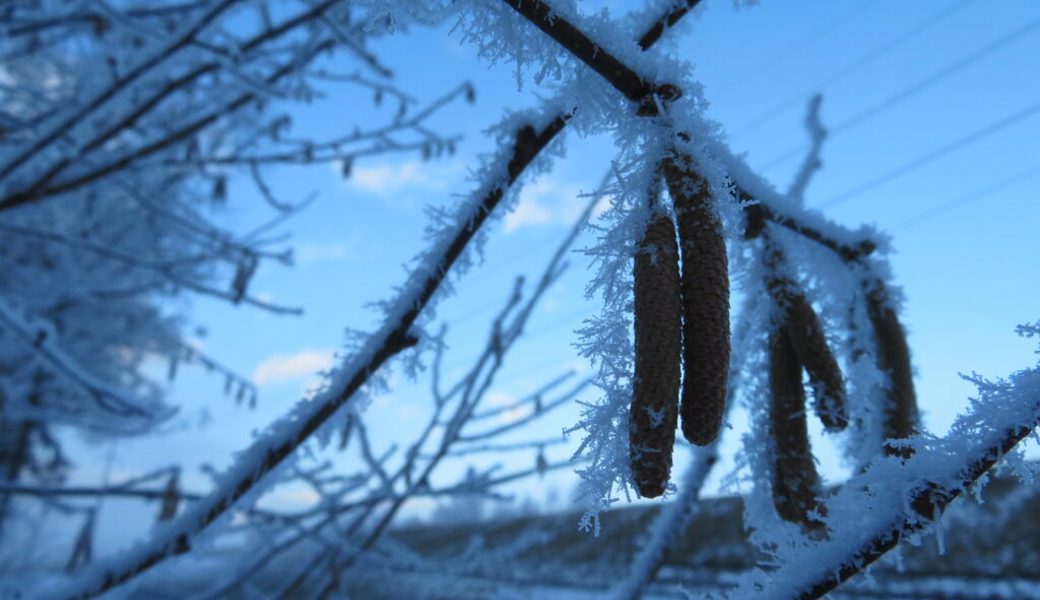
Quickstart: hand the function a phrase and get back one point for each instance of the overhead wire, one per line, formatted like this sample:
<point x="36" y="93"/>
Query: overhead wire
<point x="913" y="89"/>
<point x="784" y="54"/>
<point x="855" y="65"/>
<point x="997" y="44"/>
<point x="933" y="155"/>
<point x="968" y="198"/>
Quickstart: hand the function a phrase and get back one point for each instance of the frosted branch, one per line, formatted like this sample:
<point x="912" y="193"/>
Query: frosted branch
<point x="40" y="338"/>
<point x="895" y="498"/>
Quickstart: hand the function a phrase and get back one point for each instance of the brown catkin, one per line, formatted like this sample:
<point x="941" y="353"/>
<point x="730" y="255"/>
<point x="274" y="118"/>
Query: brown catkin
<point x="810" y="344"/>
<point x="705" y="296"/>
<point x="171" y="499"/>
<point x="658" y="343"/>
<point x="795" y="481"/>
<point x="893" y="356"/>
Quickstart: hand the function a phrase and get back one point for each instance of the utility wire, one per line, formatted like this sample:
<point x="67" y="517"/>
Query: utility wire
<point x="914" y="88"/>
<point x="932" y="156"/>
<point x="854" y="66"/>
<point x="787" y="52"/>
<point x="993" y="46"/>
<point x="970" y="197"/>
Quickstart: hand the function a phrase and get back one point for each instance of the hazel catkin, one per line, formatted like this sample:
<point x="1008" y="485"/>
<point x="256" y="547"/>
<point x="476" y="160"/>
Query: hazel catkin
<point x="658" y="343"/>
<point x="170" y="500"/>
<point x="810" y="344"/>
<point x="893" y="357"/>
<point x="795" y="480"/>
<point x="705" y="301"/>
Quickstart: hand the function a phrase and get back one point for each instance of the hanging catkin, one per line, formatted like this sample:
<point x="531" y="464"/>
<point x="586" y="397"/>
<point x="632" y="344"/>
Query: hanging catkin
<point x="658" y="343"/>
<point x="794" y="473"/>
<point x="893" y="356"/>
<point x="705" y="298"/>
<point x="170" y="500"/>
<point x="810" y="344"/>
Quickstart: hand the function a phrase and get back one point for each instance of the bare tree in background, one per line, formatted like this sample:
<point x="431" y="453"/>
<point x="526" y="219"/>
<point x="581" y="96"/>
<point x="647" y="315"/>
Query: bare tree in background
<point x="820" y="305"/>
<point x="124" y="129"/>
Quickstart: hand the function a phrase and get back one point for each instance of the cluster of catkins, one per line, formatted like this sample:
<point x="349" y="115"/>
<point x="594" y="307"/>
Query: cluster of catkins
<point x="678" y="314"/>
<point x="685" y="313"/>
<point x="797" y="342"/>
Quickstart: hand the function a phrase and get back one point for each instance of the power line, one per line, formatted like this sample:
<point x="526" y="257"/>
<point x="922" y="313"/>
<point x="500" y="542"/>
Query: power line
<point x="786" y="53"/>
<point x="934" y="155"/>
<point x="855" y="65"/>
<point x="968" y="198"/>
<point x="950" y="69"/>
<point x="915" y="88"/>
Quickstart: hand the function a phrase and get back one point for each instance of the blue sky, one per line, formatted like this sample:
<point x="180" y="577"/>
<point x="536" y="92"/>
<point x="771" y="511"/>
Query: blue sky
<point x="931" y="103"/>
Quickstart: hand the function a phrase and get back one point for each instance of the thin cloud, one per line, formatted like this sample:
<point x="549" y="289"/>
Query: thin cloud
<point x="546" y="202"/>
<point x="303" y="365"/>
<point x="388" y="179"/>
<point x="528" y="212"/>
<point x="499" y="399"/>
<point x="314" y="252"/>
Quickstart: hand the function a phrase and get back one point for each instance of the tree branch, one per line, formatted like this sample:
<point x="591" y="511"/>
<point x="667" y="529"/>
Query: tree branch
<point x="269" y="450"/>
<point x="279" y="442"/>
<point x="625" y="79"/>
<point x="40" y="189"/>
<point x="621" y="76"/>
<point x="904" y="497"/>
<point x="31" y="193"/>
<point x="60" y="129"/>
<point x="673" y="16"/>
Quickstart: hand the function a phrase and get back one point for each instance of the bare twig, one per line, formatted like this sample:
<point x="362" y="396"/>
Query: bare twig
<point x="812" y="163"/>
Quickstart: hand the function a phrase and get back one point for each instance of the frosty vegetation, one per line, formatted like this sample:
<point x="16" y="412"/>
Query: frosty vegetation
<point x="122" y="125"/>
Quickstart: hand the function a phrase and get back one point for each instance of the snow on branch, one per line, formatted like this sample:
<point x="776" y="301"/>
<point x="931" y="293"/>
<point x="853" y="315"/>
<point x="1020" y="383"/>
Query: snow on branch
<point x="506" y="329"/>
<point x="621" y="76"/>
<point x="895" y="499"/>
<point x="706" y="161"/>
<point x="46" y="186"/>
<point x="666" y="21"/>
<point x="41" y="338"/>
<point x="50" y="156"/>
<point x="452" y="233"/>
<point x="146" y="62"/>
<point x="283" y="438"/>
<point x="628" y="81"/>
